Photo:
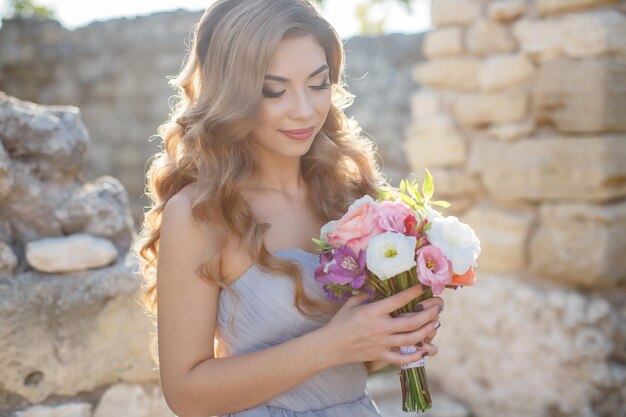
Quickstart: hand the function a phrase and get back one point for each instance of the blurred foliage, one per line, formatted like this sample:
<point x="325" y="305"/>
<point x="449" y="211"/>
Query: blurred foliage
<point x="25" y="9"/>
<point x="371" y="23"/>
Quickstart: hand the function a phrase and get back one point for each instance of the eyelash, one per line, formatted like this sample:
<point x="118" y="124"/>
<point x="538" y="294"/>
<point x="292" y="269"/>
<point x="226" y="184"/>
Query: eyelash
<point x="268" y="94"/>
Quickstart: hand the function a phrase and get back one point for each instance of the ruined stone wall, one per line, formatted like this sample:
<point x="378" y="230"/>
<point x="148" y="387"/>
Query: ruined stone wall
<point x="521" y="118"/>
<point x="116" y="73"/>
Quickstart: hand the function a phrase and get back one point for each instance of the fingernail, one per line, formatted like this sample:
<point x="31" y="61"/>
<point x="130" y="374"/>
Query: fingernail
<point x="424" y="354"/>
<point x="437" y="325"/>
<point x="419" y="307"/>
<point x="420" y="344"/>
<point x="441" y="309"/>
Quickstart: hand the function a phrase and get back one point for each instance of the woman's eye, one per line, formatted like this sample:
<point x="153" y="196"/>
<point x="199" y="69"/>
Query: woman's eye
<point x="270" y="94"/>
<point x="324" y="86"/>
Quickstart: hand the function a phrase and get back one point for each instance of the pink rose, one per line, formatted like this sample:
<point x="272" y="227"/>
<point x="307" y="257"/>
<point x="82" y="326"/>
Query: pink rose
<point x="391" y="216"/>
<point x="433" y="268"/>
<point x="357" y="226"/>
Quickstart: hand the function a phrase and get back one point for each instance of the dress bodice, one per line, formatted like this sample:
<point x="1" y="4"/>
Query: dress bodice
<point x="265" y="315"/>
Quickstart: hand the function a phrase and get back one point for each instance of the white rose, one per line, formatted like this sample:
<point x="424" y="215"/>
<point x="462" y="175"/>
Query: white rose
<point x="390" y="253"/>
<point x="456" y="240"/>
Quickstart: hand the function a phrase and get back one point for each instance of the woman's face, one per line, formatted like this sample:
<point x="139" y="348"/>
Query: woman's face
<point x="295" y="100"/>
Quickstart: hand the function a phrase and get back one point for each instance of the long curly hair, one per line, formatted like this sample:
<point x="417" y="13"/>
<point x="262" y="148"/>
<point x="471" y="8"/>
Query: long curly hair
<point x="204" y="140"/>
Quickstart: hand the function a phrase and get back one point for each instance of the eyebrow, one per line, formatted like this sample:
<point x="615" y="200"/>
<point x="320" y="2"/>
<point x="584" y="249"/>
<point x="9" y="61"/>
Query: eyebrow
<point x="286" y="80"/>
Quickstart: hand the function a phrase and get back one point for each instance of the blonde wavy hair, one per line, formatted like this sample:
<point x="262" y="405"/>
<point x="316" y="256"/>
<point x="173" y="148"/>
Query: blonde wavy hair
<point x="204" y="141"/>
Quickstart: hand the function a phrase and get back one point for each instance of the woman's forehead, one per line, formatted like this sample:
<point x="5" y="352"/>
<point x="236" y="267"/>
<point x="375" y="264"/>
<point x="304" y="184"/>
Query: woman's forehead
<point x="296" y="57"/>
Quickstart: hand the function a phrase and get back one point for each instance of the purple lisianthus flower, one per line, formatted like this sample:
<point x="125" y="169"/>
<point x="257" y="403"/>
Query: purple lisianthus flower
<point x="342" y="267"/>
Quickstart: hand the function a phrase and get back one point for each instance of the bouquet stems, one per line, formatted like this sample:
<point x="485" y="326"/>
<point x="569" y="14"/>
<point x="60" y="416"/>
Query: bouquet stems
<point x="414" y="383"/>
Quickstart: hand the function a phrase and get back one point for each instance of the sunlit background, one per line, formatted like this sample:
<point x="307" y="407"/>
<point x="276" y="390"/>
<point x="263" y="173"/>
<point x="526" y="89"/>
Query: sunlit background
<point x="347" y="16"/>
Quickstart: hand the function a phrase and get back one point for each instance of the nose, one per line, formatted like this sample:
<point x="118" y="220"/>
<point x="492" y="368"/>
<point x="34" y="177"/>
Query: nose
<point x="302" y="106"/>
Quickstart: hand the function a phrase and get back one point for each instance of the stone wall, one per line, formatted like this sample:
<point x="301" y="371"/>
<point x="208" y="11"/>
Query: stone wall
<point x="521" y="119"/>
<point x="116" y="73"/>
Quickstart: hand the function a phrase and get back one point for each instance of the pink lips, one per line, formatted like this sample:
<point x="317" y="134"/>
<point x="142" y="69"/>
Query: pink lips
<point x="298" y="134"/>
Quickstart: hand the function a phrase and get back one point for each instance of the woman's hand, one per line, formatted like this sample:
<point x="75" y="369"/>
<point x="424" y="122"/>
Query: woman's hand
<point x="365" y="332"/>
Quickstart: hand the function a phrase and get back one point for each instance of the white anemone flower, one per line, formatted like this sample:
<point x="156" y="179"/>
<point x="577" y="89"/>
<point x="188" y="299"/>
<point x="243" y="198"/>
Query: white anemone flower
<point x="390" y="253"/>
<point x="456" y="240"/>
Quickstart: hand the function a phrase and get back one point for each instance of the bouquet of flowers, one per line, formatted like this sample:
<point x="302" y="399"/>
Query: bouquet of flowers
<point x="386" y="245"/>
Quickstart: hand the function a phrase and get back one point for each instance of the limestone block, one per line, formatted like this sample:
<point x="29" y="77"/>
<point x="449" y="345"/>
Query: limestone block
<point x="559" y="252"/>
<point x="450" y="12"/>
<point x="8" y="260"/>
<point x="559" y="6"/>
<point x="434" y="143"/>
<point x="65" y="410"/>
<point x="455" y="183"/>
<point x="66" y="334"/>
<point x="501" y="71"/>
<point x="596" y="104"/>
<point x="443" y="42"/>
<point x="503" y="237"/>
<point x="509" y="132"/>
<point x="552" y="168"/>
<point x="576" y="35"/>
<point x="76" y="252"/>
<point x="488" y="37"/>
<point x="51" y="139"/>
<point x="457" y="73"/>
<point x="506" y="10"/>
<point x="518" y="347"/>
<point x="132" y="400"/>
<point x="480" y="109"/>
<point x="99" y="208"/>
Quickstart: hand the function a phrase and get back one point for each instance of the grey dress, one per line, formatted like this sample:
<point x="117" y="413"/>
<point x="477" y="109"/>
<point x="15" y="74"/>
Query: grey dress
<point x="265" y="316"/>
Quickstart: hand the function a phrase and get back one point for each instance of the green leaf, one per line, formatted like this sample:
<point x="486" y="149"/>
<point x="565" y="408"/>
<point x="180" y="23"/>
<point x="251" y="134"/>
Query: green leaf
<point x="321" y="245"/>
<point x="428" y="187"/>
<point x="408" y="200"/>
<point x="413" y="192"/>
<point x="441" y="203"/>
<point x="403" y="186"/>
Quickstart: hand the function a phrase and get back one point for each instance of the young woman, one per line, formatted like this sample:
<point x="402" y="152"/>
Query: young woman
<point x="257" y="156"/>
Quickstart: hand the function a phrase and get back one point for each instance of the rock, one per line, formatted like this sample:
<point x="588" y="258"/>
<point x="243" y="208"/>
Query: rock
<point x="509" y="132"/>
<point x="559" y="253"/>
<point x="552" y="168"/>
<point x="454" y="183"/>
<point x="450" y="12"/>
<point x="443" y="42"/>
<point x="560" y="6"/>
<point x="434" y="144"/>
<point x="486" y="37"/>
<point x="503" y="237"/>
<point x="501" y="71"/>
<point x="132" y="401"/>
<point x="480" y="109"/>
<point x="521" y="336"/>
<point x="8" y="260"/>
<point x="99" y="208"/>
<point x="6" y="179"/>
<point x="65" y="410"/>
<point x="506" y="10"/>
<point x="595" y="105"/>
<point x="457" y="73"/>
<point x="576" y="35"/>
<point x="56" y="143"/>
<point x="85" y="330"/>
<point x="72" y="253"/>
